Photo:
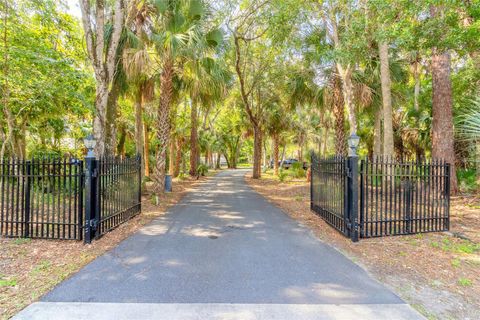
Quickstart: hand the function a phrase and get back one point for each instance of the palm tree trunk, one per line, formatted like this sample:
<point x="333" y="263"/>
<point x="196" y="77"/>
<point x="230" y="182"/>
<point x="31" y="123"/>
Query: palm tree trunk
<point x="139" y="134"/>
<point x="442" y="123"/>
<point x="276" y="150"/>
<point x="193" y="139"/>
<point x="325" y="141"/>
<point x="146" y="151"/>
<point x="171" y="157"/>
<point x="339" y="114"/>
<point x="257" y="153"/>
<point x="178" y="158"/>
<point x="163" y="124"/>
<point x="348" y="96"/>
<point x="388" y="147"/>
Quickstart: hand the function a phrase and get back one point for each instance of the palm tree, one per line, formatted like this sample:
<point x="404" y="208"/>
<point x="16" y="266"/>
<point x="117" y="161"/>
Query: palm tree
<point x="206" y="81"/>
<point x="276" y="124"/>
<point x="178" y="35"/>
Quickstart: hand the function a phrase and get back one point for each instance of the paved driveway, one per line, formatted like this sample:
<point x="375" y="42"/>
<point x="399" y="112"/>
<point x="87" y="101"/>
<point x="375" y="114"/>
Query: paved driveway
<point x="223" y="252"/>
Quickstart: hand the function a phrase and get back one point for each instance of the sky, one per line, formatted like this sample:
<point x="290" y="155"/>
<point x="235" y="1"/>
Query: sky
<point x="73" y="8"/>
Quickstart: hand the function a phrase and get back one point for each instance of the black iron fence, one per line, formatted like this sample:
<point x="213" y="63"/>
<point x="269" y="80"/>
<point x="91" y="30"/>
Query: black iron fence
<point x="381" y="196"/>
<point x="63" y="199"/>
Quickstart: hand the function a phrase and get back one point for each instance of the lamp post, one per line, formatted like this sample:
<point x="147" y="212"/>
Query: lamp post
<point x="90" y="144"/>
<point x="353" y="142"/>
<point x="91" y="211"/>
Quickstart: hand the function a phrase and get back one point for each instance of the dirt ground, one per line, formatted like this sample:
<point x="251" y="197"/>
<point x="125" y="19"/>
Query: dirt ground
<point x="30" y="268"/>
<point x="437" y="273"/>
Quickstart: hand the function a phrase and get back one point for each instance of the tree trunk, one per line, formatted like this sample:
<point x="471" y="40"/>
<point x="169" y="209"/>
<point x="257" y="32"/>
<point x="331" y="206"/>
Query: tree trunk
<point x="99" y="121"/>
<point x="172" y="157"/>
<point x="178" y="158"/>
<point x="257" y="153"/>
<point x="377" y="133"/>
<point x="163" y="125"/>
<point x="388" y="147"/>
<point x="325" y="140"/>
<point x="442" y="122"/>
<point x="146" y="151"/>
<point x="416" y="77"/>
<point x="229" y="166"/>
<point x="103" y="57"/>
<point x="276" y="150"/>
<point x="193" y="139"/>
<point x="346" y="76"/>
<point x="139" y="129"/>
<point x="218" y="165"/>
<point x="110" y="124"/>
<point x="339" y="114"/>
<point x="121" y="141"/>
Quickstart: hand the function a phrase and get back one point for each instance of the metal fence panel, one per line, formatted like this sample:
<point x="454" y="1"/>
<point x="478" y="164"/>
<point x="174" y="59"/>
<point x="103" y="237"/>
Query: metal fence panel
<point x="41" y="198"/>
<point x="403" y="197"/>
<point x="119" y="191"/>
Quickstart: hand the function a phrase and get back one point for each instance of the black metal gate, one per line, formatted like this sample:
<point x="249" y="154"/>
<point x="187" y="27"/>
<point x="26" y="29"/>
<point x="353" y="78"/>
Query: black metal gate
<point x="52" y="198"/>
<point x="383" y="197"/>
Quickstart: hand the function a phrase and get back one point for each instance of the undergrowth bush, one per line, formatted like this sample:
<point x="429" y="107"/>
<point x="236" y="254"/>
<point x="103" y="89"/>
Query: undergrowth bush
<point x="282" y="175"/>
<point x="297" y="170"/>
<point x="467" y="180"/>
<point x="202" y="170"/>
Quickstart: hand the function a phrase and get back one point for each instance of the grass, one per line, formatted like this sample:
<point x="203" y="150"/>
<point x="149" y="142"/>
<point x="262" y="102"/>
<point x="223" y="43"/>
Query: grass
<point x="464" y="246"/>
<point x="455" y="263"/>
<point x="464" y="282"/>
<point x="21" y="241"/>
<point x="8" y="283"/>
<point x="41" y="267"/>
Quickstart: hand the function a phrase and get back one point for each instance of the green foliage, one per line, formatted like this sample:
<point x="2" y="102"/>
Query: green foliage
<point x="464" y="282"/>
<point x="202" y="169"/>
<point x="467" y="179"/>
<point x="8" y="283"/>
<point x="297" y="170"/>
<point x="50" y="91"/>
<point x="282" y="175"/>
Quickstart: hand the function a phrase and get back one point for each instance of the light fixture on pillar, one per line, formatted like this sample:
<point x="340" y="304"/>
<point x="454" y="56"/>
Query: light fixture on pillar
<point x="90" y="144"/>
<point x="353" y="142"/>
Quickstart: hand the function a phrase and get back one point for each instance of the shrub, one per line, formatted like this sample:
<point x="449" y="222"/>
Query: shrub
<point x="202" y="170"/>
<point x="297" y="170"/>
<point x="282" y="175"/>
<point x="467" y="179"/>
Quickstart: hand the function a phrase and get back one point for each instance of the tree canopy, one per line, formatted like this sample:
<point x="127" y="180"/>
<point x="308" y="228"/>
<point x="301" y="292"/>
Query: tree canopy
<point x="189" y="83"/>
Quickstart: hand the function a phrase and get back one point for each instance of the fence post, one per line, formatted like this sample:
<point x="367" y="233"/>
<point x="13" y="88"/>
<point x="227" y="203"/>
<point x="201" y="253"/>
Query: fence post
<point x="91" y="221"/>
<point x="447" y="193"/>
<point x="27" y="186"/>
<point x="352" y="191"/>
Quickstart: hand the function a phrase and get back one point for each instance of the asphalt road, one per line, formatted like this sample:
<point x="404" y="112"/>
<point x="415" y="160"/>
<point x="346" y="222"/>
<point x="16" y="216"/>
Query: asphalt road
<point x="223" y="248"/>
